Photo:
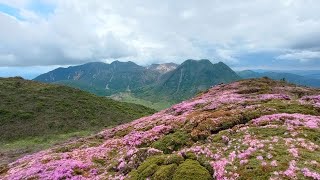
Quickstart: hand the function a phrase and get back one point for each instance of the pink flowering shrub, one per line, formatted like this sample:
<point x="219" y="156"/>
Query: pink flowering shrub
<point x="307" y="173"/>
<point x="274" y="96"/>
<point x="291" y="120"/>
<point x="314" y="100"/>
<point x="231" y="135"/>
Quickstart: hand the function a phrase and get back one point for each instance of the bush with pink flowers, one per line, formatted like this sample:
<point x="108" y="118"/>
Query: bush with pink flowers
<point x="229" y="132"/>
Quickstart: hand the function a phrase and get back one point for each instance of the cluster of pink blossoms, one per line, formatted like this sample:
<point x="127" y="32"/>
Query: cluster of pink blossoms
<point x="290" y="120"/>
<point x="307" y="173"/>
<point x="274" y="96"/>
<point x="315" y="100"/>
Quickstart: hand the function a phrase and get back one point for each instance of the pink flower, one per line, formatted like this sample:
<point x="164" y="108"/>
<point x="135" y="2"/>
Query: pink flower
<point x="274" y="96"/>
<point x="274" y="163"/>
<point x="291" y="171"/>
<point x="244" y="161"/>
<point x="260" y="158"/>
<point x="294" y="152"/>
<point x="218" y="167"/>
<point x="121" y="165"/>
<point x="232" y="156"/>
<point x="307" y="173"/>
<point x="225" y="138"/>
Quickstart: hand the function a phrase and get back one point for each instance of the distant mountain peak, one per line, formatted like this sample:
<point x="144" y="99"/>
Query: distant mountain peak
<point x="124" y="63"/>
<point x="193" y="61"/>
<point x="163" y="68"/>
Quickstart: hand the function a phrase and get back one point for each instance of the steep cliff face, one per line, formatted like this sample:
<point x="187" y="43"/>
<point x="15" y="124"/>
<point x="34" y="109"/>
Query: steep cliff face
<point x="252" y="129"/>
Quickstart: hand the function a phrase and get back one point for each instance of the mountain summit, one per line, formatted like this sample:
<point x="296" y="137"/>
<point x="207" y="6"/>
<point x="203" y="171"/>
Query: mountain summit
<point x="253" y="128"/>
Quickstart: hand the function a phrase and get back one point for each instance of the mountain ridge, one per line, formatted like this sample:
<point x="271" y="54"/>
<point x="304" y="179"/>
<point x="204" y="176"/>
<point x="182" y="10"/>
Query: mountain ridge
<point x="144" y="83"/>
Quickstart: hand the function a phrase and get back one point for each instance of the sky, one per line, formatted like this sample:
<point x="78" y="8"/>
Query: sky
<point x="40" y="35"/>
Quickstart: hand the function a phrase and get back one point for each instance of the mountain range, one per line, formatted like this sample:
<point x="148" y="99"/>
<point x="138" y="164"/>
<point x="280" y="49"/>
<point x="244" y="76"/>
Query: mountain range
<point x="159" y="85"/>
<point x="290" y="77"/>
<point x="164" y="84"/>
<point x="249" y="129"/>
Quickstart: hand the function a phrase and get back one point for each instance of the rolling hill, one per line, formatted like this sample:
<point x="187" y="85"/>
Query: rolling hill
<point x="34" y="115"/>
<point x="259" y="128"/>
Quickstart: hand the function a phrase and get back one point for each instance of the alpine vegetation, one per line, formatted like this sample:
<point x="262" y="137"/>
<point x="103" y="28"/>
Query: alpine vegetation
<point x="258" y="128"/>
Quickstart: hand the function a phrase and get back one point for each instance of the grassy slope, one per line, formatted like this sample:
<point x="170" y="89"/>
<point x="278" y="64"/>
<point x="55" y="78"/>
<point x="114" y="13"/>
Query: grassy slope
<point x="130" y="98"/>
<point x="34" y="115"/>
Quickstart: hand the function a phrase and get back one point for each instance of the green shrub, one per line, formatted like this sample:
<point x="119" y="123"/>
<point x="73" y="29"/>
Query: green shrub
<point x="165" y="172"/>
<point x="133" y="175"/>
<point x="283" y="107"/>
<point x="155" y="160"/>
<point x="191" y="170"/>
<point x="268" y="132"/>
<point x="148" y="172"/>
<point x="172" y="142"/>
<point x="99" y="161"/>
<point x="174" y="159"/>
<point x="190" y="155"/>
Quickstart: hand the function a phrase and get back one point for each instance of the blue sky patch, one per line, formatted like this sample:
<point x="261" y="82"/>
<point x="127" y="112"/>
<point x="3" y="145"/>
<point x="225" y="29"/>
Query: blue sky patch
<point x="10" y="11"/>
<point x="41" y="8"/>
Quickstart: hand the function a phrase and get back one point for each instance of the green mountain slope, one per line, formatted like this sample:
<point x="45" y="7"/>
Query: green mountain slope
<point x="101" y="78"/>
<point x="30" y="110"/>
<point x="188" y="79"/>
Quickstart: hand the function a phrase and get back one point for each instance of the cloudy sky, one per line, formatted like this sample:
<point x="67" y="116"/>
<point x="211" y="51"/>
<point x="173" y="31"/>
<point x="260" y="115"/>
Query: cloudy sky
<point x="39" y="35"/>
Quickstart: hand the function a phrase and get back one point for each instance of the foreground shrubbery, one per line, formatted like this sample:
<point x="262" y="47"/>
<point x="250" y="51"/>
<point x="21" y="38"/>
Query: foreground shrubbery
<point x="229" y="132"/>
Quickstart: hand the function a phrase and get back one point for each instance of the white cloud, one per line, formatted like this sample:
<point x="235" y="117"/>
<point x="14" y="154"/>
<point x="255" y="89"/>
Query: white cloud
<point x="301" y="56"/>
<point x="149" y="31"/>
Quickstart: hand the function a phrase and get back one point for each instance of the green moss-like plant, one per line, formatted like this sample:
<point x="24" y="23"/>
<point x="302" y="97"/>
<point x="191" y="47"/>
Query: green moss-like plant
<point x="190" y="170"/>
<point x="190" y="155"/>
<point x="174" y="159"/>
<point x="133" y="175"/>
<point x="268" y="132"/>
<point x="148" y="172"/>
<point x="165" y="172"/>
<point x="172" y="142"/>
<point x="284" y="107"/>
<point x="310" y="134"/>
<point x="155" y="160"/>
<point x="99" y="161"/>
